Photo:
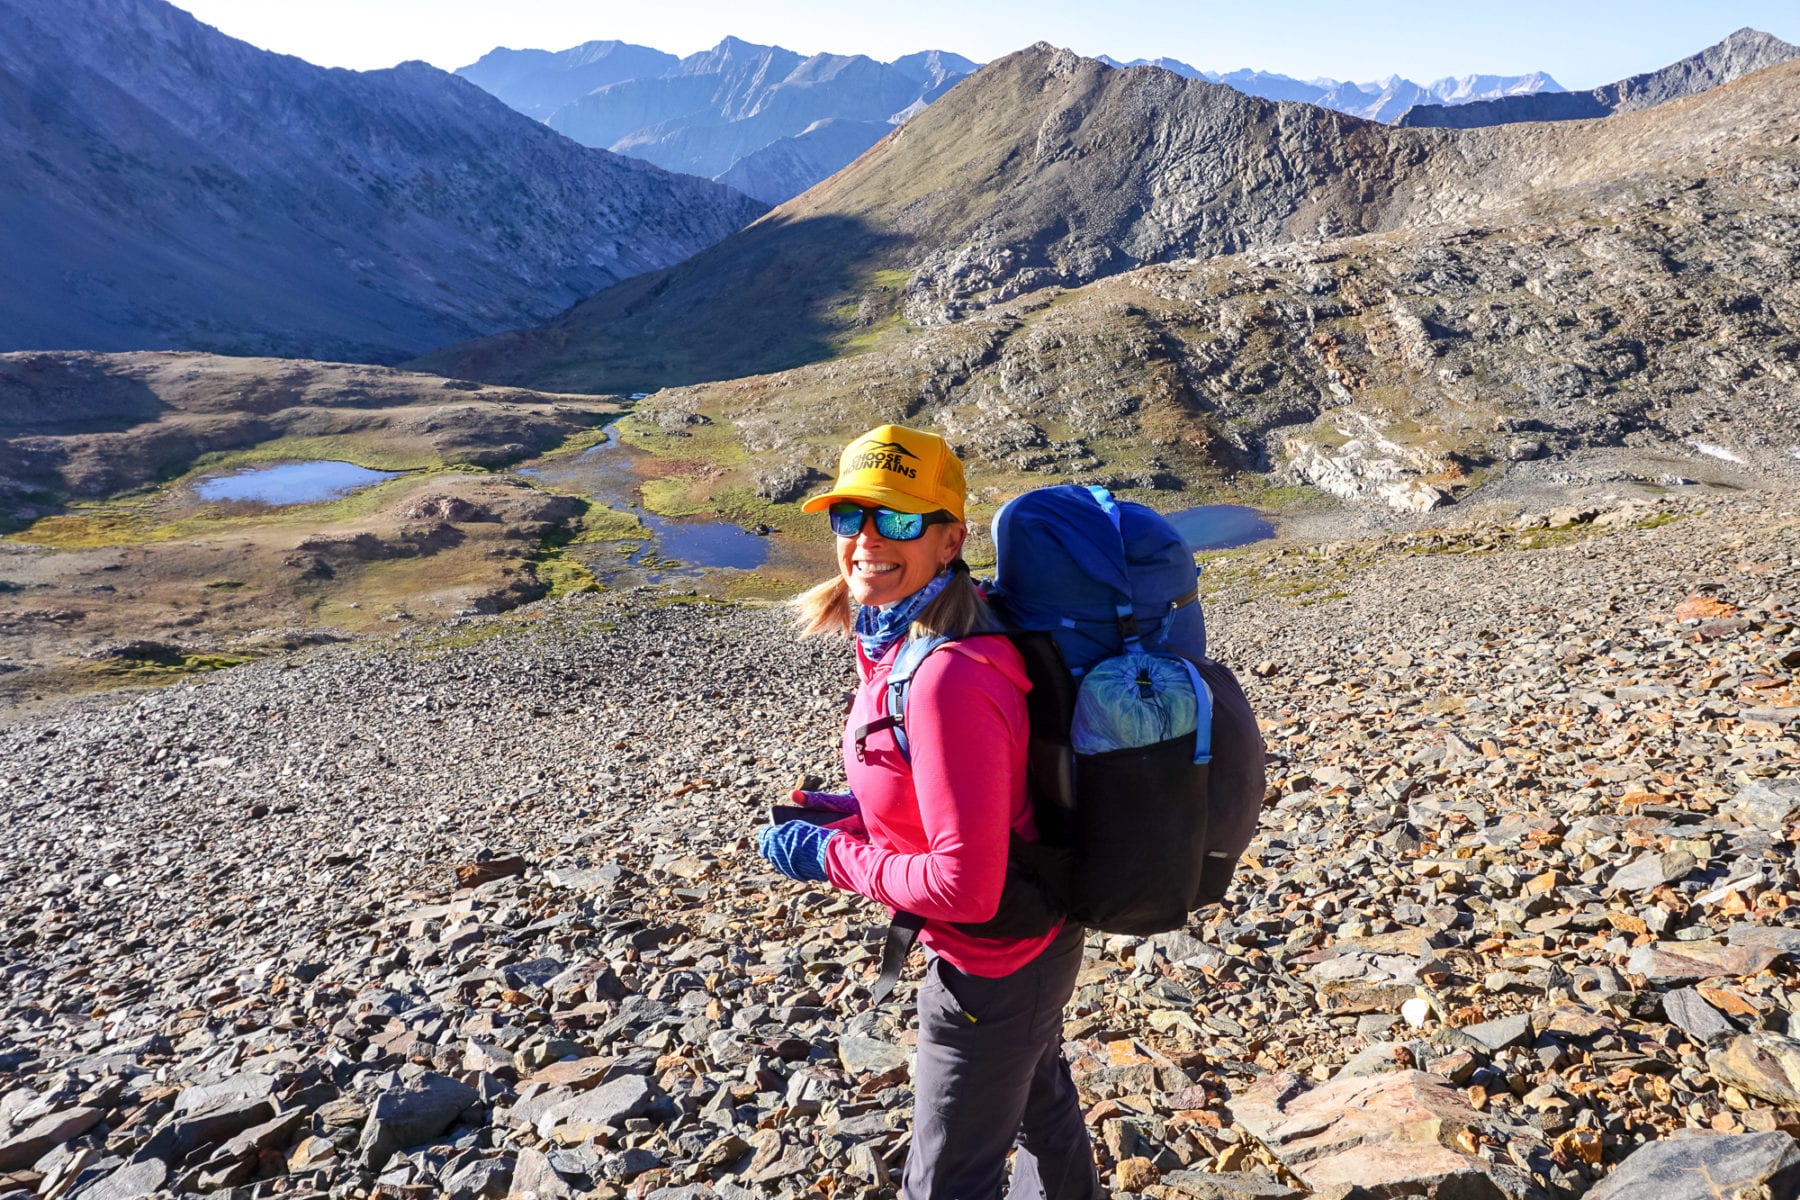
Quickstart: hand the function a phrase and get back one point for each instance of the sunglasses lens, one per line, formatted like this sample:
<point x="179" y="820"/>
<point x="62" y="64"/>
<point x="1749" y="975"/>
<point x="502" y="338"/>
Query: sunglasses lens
<point x="846" y="519"/>
<point x="899" y="526"/>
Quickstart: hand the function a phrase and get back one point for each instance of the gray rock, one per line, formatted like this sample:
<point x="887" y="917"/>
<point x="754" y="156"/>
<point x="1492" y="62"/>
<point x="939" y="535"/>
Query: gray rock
<point x="1690" y="1013"/>
<point x="1652" y="871"/>
<point x="534" y="1177"/>
<point x="233" y="1092"/>
<point x="1224" y="1185"/>
<point x="1706" y="1167"/>
<point x="421" y="1110"/>
<point x="1498" y="1035"/>
<point x="28" y="1145"/>
<point x="608" y="1106"/>
<point x="1370" y="1060"/>
<point x="1768" y="802"/>
<point x="870" y="1056"/>
<point x="134" y="1179"/>
<point x="1778" y="937"/>
<point x="1763" y="1064"/>
<point x="489" y="1177"/>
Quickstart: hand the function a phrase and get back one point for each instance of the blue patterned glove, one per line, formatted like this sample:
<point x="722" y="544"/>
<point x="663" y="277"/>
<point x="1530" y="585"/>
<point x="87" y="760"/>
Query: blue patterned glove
<point x="796" y="849"/>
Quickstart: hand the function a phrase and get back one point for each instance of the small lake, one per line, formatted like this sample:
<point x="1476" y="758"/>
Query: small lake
<point x="604" y="473"/>
<point x="1221" y="526"/>
<point x="291" y="483"/>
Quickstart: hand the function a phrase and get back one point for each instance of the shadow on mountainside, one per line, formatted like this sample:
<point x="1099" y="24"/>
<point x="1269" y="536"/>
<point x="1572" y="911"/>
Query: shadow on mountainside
<point x="820" y="292"/>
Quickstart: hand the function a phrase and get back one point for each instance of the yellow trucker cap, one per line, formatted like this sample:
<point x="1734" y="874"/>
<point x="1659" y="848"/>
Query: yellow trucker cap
<point x="891" y="466"/>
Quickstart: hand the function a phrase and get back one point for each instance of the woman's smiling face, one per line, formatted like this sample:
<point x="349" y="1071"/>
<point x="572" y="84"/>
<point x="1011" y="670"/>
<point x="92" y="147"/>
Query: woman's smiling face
<point x="881" y="571"/>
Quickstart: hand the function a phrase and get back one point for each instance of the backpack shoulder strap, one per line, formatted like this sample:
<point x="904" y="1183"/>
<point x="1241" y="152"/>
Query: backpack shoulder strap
<point x="911" y="656"/>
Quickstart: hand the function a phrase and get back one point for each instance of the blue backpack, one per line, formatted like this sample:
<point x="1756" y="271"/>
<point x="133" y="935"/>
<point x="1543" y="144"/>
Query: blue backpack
<point x="1146" y="763"/>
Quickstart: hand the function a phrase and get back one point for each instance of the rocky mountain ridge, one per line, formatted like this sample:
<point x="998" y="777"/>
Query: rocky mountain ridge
<point x="1742" y="53"/>
<point x="1383" y="100"/>
<point x="170" y="187"/>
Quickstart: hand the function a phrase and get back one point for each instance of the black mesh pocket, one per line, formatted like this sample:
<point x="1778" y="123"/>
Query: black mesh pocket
<point x="1141" y="837"/>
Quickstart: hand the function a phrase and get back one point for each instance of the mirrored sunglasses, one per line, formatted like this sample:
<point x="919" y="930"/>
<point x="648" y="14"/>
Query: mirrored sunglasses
<point x="847" y="521"/>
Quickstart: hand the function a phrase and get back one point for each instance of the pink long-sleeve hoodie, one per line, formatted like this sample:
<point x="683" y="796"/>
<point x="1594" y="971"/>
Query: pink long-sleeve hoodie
<point x="938" y="826"/>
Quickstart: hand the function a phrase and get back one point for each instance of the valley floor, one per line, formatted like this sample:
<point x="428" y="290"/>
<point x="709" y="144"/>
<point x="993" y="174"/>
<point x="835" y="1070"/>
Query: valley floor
<point x="1541" y="774"/>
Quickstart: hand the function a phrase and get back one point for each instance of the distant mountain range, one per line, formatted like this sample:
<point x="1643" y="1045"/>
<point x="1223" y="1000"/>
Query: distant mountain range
<point x="165" y="186"/>
<point x="1383" y="101"/>
<point x="763" y="119"/>
<point x="1745" y="51"/>
<point x="772" y="124"/>
<point x="1041" y="170"/>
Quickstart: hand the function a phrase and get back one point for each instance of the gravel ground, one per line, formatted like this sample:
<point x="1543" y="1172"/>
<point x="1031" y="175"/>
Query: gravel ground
<point x="473" y="913"/>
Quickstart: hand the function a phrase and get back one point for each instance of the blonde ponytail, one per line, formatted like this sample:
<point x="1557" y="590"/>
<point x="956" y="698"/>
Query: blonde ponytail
<point x="823" y="609"/>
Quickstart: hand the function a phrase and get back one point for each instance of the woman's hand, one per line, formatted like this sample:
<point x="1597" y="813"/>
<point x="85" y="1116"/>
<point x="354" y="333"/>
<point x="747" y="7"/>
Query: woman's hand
<point x="796" y="849"/>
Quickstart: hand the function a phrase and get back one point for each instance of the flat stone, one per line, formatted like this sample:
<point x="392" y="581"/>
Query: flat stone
<point x="1370" y="1060"/>
<point x="490" y="1177"/>
<point x="533" y="1176"/>
<point x="28" y="1145"/>
<point x="579" y="1073"/>
<point x="1398" y="1129"/>
<point x="421" y="1110"/>
<point x="141" y="1178"/>
<point x="227" y="1093"/>
<point x="221" y="1116"/>
<point x="1497" y="1035"/>
<point x="1222" y="1185"/>
<point x="1687" y="962"/>
<point x="1763" y="1063"/>
<point x="1689" y="1012"/>
<point x="1706" y="1168"/>
<point x="608" y="1106"/>
<point x="1416" y="942"/>
<point x="1779" y="937"/>
<point x="475" y="874"/>
<point x="870" y="1056"/>
<point x="272" y="1134"/>
<point x="1653" y="870"/>
<point x="1766" y="802"/>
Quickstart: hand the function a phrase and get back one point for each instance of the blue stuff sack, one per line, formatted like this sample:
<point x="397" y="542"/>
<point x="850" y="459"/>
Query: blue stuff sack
<point x="1135" y="700"/>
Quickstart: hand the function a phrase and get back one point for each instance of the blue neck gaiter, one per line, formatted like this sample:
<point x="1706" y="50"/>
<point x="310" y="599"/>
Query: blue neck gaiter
<point x="877" y="629"/>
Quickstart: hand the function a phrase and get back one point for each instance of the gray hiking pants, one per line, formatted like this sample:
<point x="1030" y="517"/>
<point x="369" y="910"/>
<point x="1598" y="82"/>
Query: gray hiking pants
<point x="990" y="1071"/>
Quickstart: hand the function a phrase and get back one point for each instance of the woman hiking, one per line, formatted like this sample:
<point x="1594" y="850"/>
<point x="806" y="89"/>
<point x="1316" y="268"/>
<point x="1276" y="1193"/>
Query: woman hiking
<point x="925" y="829"/>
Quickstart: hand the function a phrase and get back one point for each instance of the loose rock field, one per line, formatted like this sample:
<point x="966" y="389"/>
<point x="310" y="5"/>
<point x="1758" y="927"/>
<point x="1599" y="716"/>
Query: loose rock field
<point x="474" y="912"/>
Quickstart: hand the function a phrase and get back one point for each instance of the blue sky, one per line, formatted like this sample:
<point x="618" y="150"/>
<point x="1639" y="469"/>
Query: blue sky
<point x="1580" y="44"/>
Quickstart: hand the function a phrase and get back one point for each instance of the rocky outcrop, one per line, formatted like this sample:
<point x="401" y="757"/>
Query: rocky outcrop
<point x="1743" y="52"/>
<point x="169" y="187"/>
<point x="1366" y="465"/>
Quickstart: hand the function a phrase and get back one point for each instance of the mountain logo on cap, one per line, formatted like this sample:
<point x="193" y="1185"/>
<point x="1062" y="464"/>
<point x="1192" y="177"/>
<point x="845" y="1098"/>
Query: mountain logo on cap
<point x="891" y="447"/>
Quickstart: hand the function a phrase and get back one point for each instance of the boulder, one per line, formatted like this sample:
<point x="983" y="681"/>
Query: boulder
<point x="1763" y="1064"/>
<point x="413" y="1114"/>
<point x="1707" y="1167"/>
<point x="1768" y="802"/>
<point x="1404" y="1129"/>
